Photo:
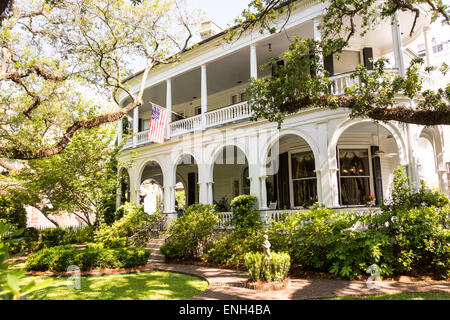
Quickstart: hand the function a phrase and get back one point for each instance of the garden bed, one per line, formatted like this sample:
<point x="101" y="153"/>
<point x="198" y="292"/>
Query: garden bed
<point x="267" y="286"/>
<point x="92" y="271"/>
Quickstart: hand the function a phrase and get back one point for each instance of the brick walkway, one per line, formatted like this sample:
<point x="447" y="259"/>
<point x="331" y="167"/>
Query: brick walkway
<point x="225" y="284"/>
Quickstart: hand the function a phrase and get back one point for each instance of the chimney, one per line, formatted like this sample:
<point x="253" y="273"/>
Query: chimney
<point x="208" y="29"/>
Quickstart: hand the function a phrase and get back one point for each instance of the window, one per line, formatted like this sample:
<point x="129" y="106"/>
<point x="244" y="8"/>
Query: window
<point x="354" y="175"/>
<point x="198" y="110"/>
<point x="303" y="179"/>
<point x="234" y="99"/>
<point x="244" y="96"/>
<point x="145" y="125"/>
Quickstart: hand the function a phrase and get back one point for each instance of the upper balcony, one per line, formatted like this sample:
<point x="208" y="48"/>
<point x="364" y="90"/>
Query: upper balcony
<point x="207" y="88"/>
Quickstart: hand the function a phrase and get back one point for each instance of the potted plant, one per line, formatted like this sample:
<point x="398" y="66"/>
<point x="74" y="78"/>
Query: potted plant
<point x="369" y="199"/>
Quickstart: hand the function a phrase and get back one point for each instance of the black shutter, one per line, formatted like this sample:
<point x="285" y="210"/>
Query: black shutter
<point x="140" y="125"/>
<point x="368" y="58"/>
<point x="328" y="65"/>
<point x="377" y="179"/>
<point x="283" y="182"/>
<point x="276" y="66"/>
<point x="191" y="188"/>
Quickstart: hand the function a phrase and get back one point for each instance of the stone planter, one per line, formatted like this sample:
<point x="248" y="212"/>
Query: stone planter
<point x="268" y="286"/>
<point x="79" y="246"/>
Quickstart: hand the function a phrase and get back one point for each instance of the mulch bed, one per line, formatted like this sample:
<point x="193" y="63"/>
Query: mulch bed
<point x="267" y="286"/>
<point x="92" y="272"/>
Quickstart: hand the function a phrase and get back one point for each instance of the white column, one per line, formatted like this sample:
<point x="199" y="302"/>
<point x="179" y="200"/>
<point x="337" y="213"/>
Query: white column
<point x="316" y="31"/>
<point x="169" y="199"/>
<point x="325" y="184"/>
<point x="428" y="46"/>
<point x="204" y="96"/>
<point x="398" y="48"/>
<point x="263" y="192"/>
<point x="253" y="62"/>
<point x="134" y="185"/>
<point x="119" y="130"/>
<point x="203" y="193"/>
<point x="135" y="125"/>
<point x="169" y="104"/>
<point x="210" y="192"/>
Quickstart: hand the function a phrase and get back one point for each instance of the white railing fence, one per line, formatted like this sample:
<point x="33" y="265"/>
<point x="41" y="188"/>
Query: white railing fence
<point x="213" y="118"/>
<point x="228" y="114"/>
<point x="270" y="216"/>
<point x="184" y="126"/>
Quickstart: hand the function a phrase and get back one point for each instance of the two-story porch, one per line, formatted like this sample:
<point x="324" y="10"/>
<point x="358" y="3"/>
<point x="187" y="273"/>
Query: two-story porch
<point x="319" y="155"/>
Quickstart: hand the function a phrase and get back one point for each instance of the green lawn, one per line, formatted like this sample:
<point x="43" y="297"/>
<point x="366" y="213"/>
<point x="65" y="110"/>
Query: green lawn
<point x="146" y="285"/>
<point x="400" y="296"/>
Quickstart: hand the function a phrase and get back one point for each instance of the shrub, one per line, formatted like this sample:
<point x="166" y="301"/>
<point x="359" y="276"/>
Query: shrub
<point x="261" y="267"/>
<point x="12" y="212"/>
<point x="191" y="234"/>
<point x="229" y="249"/>
<point x="422" y="240"/>
<point x="405" y="196"/>
<point x="60" y="258"/>
<point x="245" y="216"/>
<point x="133" y="219"/>
<point x="53" y="237"/>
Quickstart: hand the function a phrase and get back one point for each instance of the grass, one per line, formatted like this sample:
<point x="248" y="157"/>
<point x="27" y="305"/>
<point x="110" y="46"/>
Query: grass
<point x="399" y="296"/>
<point x="146" y="285"/>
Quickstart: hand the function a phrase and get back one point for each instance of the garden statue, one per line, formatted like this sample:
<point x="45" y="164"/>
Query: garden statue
<point x="266" y="246"/>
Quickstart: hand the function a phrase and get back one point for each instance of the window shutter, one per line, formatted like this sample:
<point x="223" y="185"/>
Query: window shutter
<point x="368" y="58"/>
<point x="274" y="68"/>
<point x="328" y="65"/>
<point x="283" y="182"/>
<point x="191" y="188"/>
<point x="377" y="179"/>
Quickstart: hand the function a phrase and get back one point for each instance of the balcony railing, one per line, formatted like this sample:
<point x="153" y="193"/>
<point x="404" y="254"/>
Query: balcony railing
<point x="242" y="111"/>
<point x="341" y="81"/>
<point x="222" y="116"/>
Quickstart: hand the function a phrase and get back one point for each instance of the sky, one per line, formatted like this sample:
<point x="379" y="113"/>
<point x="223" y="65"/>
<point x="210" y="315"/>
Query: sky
<point x="223" y="14"/>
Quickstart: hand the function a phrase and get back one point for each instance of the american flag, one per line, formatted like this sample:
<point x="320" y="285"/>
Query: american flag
<point x="158" y="122"/>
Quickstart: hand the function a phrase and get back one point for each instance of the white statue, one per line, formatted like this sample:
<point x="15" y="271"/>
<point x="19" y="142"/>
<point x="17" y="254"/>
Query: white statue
<point x="266" y="246"/>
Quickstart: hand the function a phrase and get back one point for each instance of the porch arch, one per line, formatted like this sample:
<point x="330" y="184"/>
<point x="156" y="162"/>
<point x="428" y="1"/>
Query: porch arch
<point x="397" y="135"/>
<point x="229" y="182"/>
<point x="189" y="179"/>
<point x="297" y="190"/>
<point x="366" y="168"/>
<point x="433" y="137"/>
<point x="283" y="132"/>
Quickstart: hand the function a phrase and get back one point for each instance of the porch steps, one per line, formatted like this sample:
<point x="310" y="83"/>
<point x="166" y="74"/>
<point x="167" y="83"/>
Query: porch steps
<point x="153" y="247"/>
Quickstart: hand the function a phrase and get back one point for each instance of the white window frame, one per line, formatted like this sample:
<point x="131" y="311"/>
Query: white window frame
<point x="291" y="180"/>
<point x="369" y="158"/>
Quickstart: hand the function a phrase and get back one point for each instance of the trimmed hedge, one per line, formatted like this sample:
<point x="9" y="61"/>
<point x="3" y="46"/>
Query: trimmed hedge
<point x="261" y="267"/>
<point x="60" y="258"/>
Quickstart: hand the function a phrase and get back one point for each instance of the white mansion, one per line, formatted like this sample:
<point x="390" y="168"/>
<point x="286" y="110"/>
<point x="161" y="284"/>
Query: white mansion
<point x="318" y="155"/>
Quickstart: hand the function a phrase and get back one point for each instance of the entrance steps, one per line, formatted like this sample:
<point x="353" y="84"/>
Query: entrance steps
<point x="153" y="247"/>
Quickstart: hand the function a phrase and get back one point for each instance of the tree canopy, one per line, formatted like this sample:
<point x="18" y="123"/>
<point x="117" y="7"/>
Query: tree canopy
<point x="58" y="57"/>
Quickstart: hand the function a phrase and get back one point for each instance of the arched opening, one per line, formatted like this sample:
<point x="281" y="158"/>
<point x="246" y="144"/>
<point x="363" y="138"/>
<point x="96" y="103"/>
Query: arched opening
<point x="150" y="188"/>
<point x="291" y="180"/>
<point x="124" y="186"/>
<point x="367" y="155"/>
<point x="230" y="175"/>
<point x="186" y="188"/>
<point x="427" y="162"/>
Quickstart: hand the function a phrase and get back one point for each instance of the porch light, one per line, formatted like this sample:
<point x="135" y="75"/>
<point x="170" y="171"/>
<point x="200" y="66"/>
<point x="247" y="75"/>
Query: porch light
<point x="270" y="47"/>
